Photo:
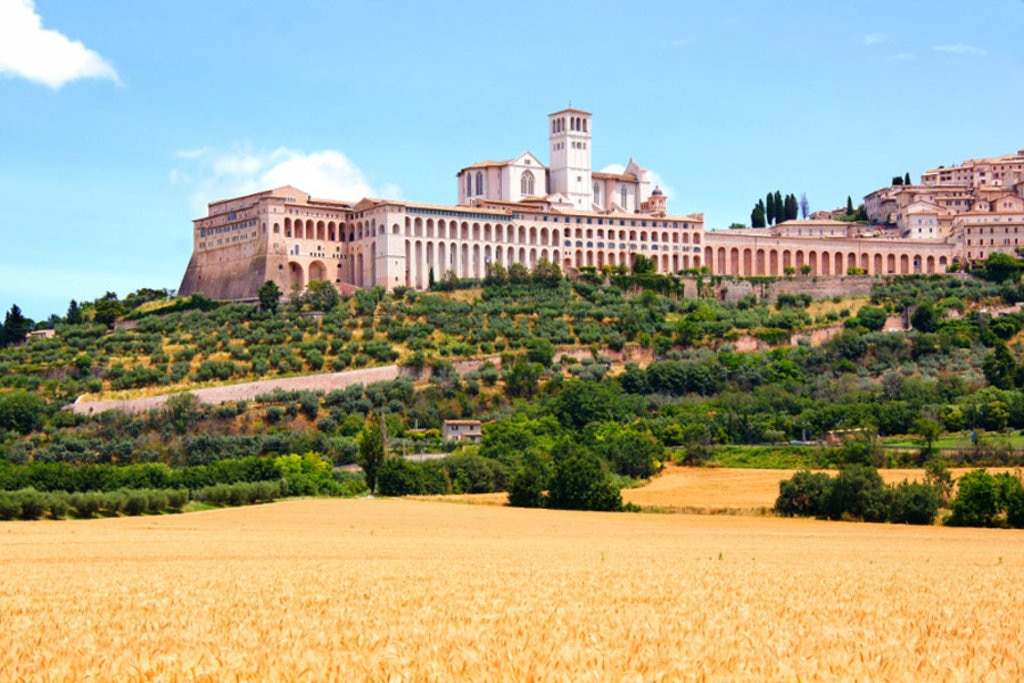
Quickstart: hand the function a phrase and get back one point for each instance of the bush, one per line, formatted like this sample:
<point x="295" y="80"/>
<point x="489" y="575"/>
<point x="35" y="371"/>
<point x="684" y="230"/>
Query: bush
<point x="977" y="500"/>
<point x="527" y="488"/>
<point x="10" y="505"/>
<point x="135" y="502"/>
<point x="86" y="505"/>
<point x="857" y="492"/>
<point x="581" y="482"/>
<point x="399" y="477"/>
<point x="176" y="499"/>
<point x="156" y="501"/>
<point x="913" y="503"/>
<point x="58" y="503"/>
<point x="804" y="494"/>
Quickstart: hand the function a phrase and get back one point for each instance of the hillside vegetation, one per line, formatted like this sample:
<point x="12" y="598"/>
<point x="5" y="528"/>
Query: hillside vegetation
<point x="582" y="385"/>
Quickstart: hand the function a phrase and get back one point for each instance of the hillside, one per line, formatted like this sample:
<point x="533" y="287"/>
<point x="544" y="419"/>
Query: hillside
<point x="619" y="370"/>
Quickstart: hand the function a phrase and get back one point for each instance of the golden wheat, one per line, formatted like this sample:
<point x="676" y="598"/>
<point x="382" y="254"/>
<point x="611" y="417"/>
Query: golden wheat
<point x="399" y="590"/>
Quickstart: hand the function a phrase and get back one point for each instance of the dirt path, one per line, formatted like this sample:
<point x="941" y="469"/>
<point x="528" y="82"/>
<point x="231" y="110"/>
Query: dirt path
<point x="248" y="390"/>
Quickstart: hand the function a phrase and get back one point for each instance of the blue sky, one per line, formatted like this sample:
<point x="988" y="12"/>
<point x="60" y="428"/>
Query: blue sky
<point x="119" y="120"/>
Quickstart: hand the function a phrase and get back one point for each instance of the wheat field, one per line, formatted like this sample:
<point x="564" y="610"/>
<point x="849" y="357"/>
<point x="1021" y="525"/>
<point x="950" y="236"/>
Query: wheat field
<point x="401" y="590"/>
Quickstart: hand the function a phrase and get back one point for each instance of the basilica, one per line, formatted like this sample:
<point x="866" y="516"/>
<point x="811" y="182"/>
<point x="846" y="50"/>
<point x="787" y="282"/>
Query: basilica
<point x="521" y="211"/>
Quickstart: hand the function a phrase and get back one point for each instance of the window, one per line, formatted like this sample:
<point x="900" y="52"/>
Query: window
<point x="622" y="197"/>
<point x="597" y="194"/>
<point x="469" y="184"/>
<point x="479" y="182"/>
<point x="526" y="184"/>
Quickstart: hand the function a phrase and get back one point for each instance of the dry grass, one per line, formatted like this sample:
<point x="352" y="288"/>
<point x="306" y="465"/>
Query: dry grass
<point x="726" y="490"/>
<point x="399" y="590"/>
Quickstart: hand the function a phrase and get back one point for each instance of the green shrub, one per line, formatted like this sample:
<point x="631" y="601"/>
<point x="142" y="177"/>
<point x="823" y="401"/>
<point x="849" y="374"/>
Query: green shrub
<point x="913" y="503"/>
<point x="804" y="494"/>
<point x="156" y="501"/>
<point x="86" y="504"/>
<point x="977" y="500"/>
<point x="527" y="488"/>
<point x="135" y="502"/>
<point x="176" y="499"/>
<point x="58" y="503"/>
<point x="33" y="503"/>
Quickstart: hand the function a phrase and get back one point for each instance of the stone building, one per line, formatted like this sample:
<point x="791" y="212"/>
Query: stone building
<point x="521" y="211"/>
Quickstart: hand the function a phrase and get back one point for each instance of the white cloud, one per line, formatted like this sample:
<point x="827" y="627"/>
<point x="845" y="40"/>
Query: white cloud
<point x="875" y="38"/>
<point x="960" y="49"/>
<point x="326" y="174"/>
<point x="42" y="55"/>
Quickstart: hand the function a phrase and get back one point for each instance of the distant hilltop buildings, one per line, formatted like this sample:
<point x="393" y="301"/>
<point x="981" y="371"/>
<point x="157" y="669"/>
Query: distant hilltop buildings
<point x="523" y="211"/>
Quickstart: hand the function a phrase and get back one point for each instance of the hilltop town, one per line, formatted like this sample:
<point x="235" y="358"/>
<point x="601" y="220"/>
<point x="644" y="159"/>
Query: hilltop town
<point x="521" y="211"/>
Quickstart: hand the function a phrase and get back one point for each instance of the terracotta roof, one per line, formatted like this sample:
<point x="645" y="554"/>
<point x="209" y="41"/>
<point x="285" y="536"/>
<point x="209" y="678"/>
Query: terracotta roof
<point x="487" y="164"/>
<point x="613" y="176"/>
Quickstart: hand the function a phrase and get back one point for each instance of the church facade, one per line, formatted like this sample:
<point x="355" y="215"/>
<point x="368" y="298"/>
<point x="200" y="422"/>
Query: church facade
<point x="514" y="211"/>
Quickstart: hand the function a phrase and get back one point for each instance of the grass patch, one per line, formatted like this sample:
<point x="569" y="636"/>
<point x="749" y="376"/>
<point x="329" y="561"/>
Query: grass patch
<point x="766" y="457"/>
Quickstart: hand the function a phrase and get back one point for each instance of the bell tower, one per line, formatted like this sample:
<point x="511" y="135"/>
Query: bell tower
<point x="570" y="135"/>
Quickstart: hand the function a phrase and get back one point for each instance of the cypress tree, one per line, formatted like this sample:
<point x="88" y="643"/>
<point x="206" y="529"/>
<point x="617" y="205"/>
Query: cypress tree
<point x="780" y="208"/>
<point x="769" y="204"/>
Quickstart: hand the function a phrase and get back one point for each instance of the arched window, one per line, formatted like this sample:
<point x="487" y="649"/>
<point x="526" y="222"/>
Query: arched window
<point x="469" y="184"/>
<point x="479" y="182"/>
<point x="622" y="197"/>
<point x="597" y="194"/>
<point x="526" y="184"/>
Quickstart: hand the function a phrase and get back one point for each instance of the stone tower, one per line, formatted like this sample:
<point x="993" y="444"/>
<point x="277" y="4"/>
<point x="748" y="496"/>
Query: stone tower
<point x="570" y="135"/>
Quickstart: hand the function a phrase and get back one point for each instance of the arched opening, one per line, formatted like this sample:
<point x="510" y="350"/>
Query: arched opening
<point x="296" y="277"/>
<point x="317" y="271"/>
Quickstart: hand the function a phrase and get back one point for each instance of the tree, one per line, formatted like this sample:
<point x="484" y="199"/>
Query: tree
<point x="643" y="264"/>
<point x="872" y="317"/>
<point x="322" y="296"/>
<point x="804" y="494"/>
<point x="999" y="367"/>
<point x="929" y="430"/>
<point x="371" y="449"/>
<point x="805" y="207"/>
<point x="849" y="205"/>
<point x="757" y="217"/>
<point x="107" y="309"/>
<point x="74" y="314"/>
<point x="547" y="273"/>
<point x="977" y="500"/>
<point x="634" y="453"/>
<point x="1000" y="267"/>
<point x="925" y="319"/>
<point x="540" y="350"/>
<point x="15" y="327"/>
<point x="769" y="202"/>
<point x="906" y="179"/>
<point x="496" y="275"/>
<point x="521" y="379"/>
<point x="526" y="490"/>
<point x="270" y="296"/>
<point x="780" y="208"/>
<point x="792" y="210"/>
<point x="518" y="274"/>
<point x="21" y="412"/>
<point x="581" y="482"/>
